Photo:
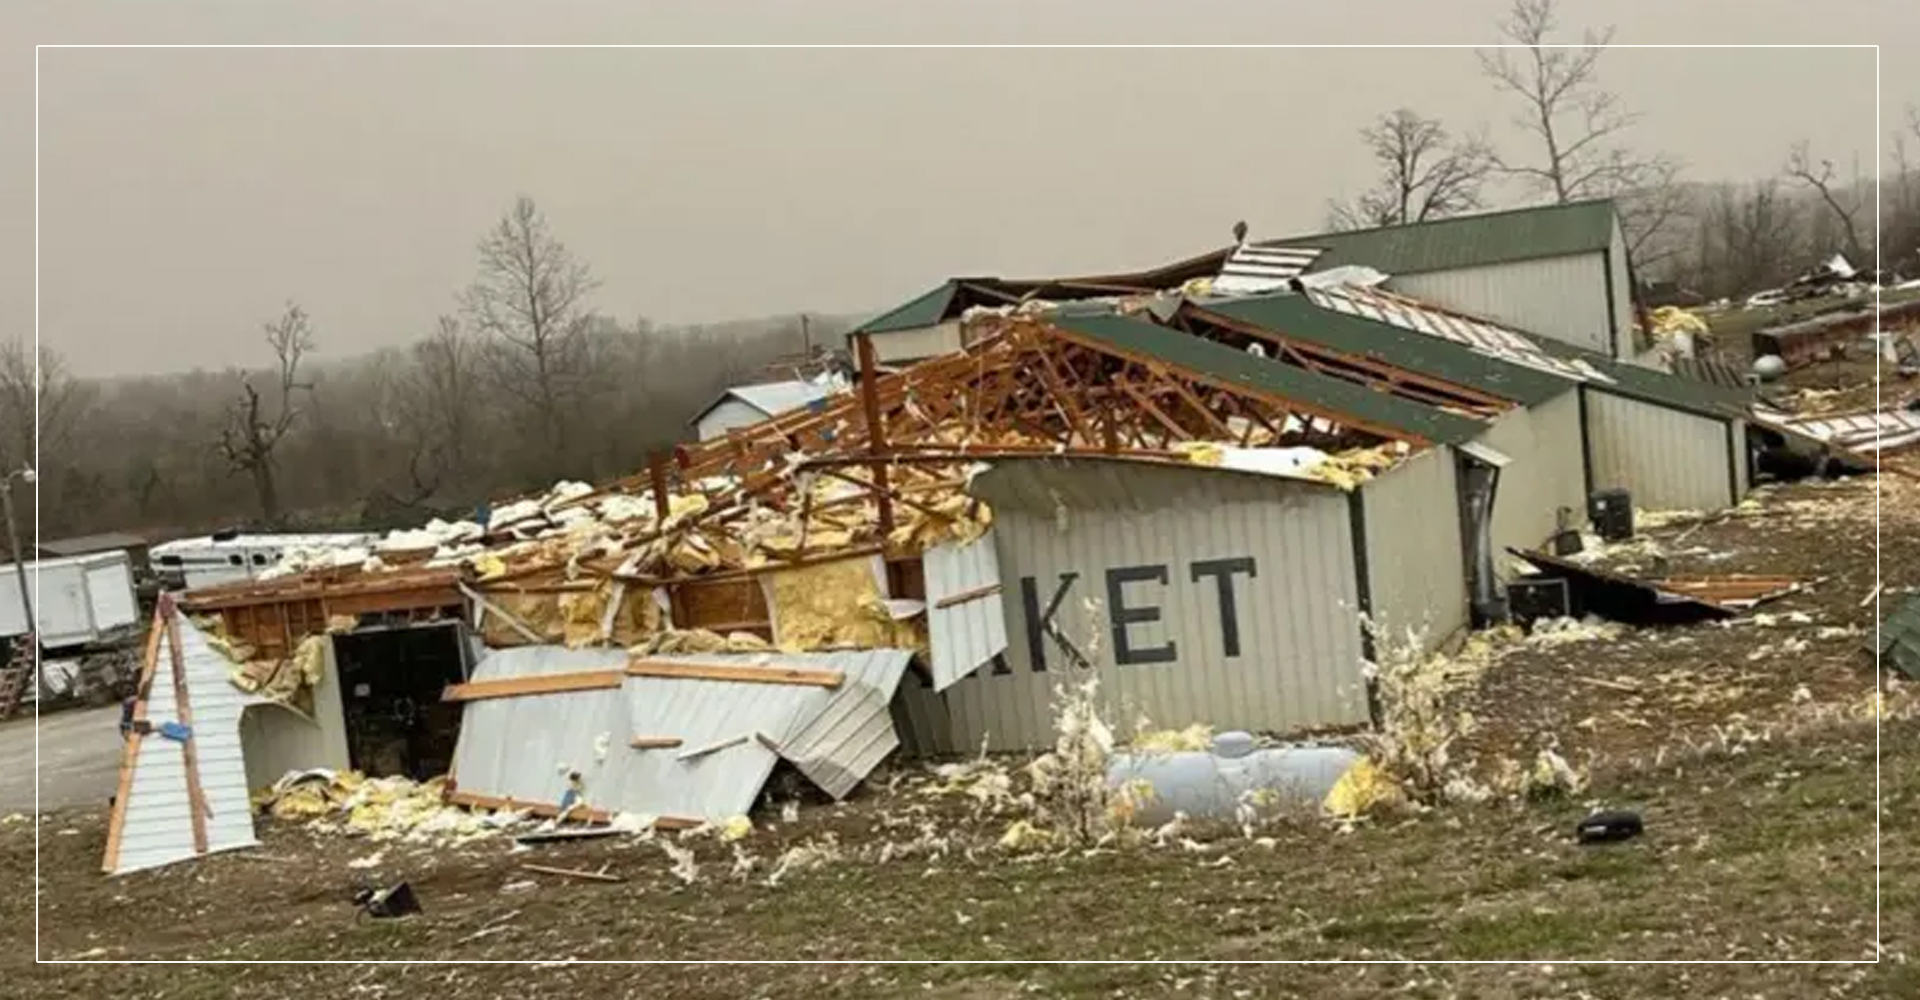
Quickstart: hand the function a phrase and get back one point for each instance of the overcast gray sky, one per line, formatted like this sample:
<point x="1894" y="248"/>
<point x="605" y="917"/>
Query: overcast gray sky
<point x="186" y="194"/>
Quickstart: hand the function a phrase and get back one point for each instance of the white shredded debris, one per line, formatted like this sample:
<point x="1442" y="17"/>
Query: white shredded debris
<point x="370" y="861"/>
<point x="684" y="867"/>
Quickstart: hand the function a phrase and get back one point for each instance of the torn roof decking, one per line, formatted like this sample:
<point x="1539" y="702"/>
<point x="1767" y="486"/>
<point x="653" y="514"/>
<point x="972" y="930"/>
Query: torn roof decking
<point x="1294" y="317"/>
<point x="956" y="295"/>
<point x="1463" y="241"/>
<point x="1320" y="395"/>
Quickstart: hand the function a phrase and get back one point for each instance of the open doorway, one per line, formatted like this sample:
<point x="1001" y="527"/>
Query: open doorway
<point x="391" y="679"/>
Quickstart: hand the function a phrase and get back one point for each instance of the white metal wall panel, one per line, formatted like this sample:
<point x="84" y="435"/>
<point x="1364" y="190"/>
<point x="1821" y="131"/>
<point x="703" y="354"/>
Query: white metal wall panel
<point x="1416" y="565"/>
<point x="1622" y="292"/>
<point x="1546" y="474"/>
<point x="912" y="345"/>
<point x="277" y="739"/>
<point x="726" y="416"/>
<point x="1077" y="529"/>
<point x="110" y="588"/>
<point x="1665" y="459"/>
<point x="522" y="748"/>
<point x="1560" y="297"/>
<point x="157" y="827"/>
<point x="967" y="634"/>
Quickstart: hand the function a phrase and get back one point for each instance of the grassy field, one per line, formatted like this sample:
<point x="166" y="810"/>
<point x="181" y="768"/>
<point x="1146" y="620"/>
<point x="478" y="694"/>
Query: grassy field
<point x="1749" y="749"/>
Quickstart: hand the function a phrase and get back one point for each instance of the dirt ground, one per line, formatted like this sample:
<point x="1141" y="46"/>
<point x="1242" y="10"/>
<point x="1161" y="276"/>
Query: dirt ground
<point x="1749" y="748"/>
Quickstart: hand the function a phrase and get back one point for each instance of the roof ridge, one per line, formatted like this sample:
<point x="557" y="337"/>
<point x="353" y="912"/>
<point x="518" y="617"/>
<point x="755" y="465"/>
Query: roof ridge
<point x="1472" y="217"/>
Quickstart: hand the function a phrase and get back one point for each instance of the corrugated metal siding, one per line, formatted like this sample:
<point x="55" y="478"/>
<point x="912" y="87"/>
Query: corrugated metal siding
<point x="522" y="748"/>
<point x="1416" y="565"/>
<point x="727" y="415"/>
<point x="854" y="732"/>
<point x="158" y="825"/>
<point x="1622" y="293"/>
<point x="1546" y="475"/>
<point x="1299" y="653"/>
<point x="965" y="635"/>
<point x="277" y="739"/>
<point x="1667" y="460"/>
<point x="920" y="342"/>
<point x="1564" y="298"/>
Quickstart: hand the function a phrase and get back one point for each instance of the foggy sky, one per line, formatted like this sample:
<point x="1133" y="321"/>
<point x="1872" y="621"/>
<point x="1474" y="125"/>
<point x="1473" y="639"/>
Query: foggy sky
<point x="186" y="194"/>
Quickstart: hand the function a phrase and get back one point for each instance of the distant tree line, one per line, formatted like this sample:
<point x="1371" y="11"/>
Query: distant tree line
<point x="521" y="383"/>
<point x="1719" y="240"/>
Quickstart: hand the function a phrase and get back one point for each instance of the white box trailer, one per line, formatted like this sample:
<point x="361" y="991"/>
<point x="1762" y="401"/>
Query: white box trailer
<point x="192" y="563"/>
<point x="77" y="600"/>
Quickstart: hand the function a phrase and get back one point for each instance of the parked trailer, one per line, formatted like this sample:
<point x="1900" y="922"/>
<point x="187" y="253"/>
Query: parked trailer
<point x="77" y="600"/>
<point x="191" y="563"/>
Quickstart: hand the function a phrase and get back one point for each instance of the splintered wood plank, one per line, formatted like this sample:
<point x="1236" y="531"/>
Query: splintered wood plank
<point x="733" y="672"/>
<point x="655" y="742"/>
<point x="196" y="797"/>
<point x="517" y="687"/>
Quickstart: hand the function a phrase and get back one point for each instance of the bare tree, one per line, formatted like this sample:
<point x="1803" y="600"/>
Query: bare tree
<point x="1425" y="173"/>
<point x="530" y="297"/>
<point x="39" y="398"/>
<point x="1900" y="222"/>
<point x="1577" y="125"/>
<point x="1845" y="208"/>
<point x="251" y="434"/>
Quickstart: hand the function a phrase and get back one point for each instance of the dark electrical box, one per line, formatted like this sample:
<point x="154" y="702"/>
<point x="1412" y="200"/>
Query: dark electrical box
<point x="1611" y="512"/>
<point x="1531" y="600"/>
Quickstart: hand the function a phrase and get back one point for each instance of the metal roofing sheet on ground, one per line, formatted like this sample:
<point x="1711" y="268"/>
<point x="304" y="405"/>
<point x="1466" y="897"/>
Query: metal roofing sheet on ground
<point x="966" y="618"/>
<point x="1885" y="430"/>
<point x="730" y="733"/>
<point x="1238" y="368"/>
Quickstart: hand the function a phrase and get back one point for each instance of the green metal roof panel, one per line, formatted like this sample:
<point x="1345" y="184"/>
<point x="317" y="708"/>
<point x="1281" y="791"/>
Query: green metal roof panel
<point x="927" y="310"/>
<point x="1294" y="316"/>
<point x="1467" y="240"/>
<point x="1652" y="386"/>
<point x="1275" y="378"/>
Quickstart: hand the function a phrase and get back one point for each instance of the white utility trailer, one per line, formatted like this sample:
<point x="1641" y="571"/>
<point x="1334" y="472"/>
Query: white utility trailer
<point x="78" y="600"/>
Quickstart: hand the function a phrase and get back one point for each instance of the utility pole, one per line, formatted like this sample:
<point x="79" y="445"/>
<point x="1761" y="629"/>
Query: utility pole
<point x="24" y="474"/>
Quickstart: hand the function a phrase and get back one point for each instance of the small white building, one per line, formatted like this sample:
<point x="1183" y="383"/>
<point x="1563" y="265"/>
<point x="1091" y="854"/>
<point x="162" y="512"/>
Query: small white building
<point x="746" y="405"/>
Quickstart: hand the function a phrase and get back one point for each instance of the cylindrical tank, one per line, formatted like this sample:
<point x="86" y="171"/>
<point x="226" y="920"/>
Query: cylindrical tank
<point x="1769" y="367"/>
<point x="1210" y="783"/>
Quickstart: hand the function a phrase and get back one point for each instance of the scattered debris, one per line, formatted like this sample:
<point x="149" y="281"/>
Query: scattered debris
<point x="396" y="901"/>
<point x="594" y="876"/>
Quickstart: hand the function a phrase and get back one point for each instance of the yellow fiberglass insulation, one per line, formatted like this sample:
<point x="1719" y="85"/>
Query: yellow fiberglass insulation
<point x="539" y="612"/>
<point x="671" y="641"/>
<point x="1361" y="790"/>
<point x="834" y="604"/>
<point x="290" y="681"/>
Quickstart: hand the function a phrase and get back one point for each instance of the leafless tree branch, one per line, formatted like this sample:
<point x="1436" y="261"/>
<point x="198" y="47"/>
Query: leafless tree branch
<point x="1425" y="173"/>
<point x="1819" y="176"/>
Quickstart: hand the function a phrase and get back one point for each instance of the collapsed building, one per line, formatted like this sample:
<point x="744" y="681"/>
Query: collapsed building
<point x="1216" y="486"/>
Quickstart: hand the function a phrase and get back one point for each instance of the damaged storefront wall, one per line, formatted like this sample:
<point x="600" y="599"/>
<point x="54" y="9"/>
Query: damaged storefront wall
<point x="1667" y="458"/>
<point x="1204" y="595"/>
<point x="684" y="739"/>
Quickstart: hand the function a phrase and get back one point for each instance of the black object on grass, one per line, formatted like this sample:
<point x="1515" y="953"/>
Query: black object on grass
<point x="1608" y="826"/>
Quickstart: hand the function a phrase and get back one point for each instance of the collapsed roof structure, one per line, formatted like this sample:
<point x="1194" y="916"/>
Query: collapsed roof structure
<point x="1201" y="477"/>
